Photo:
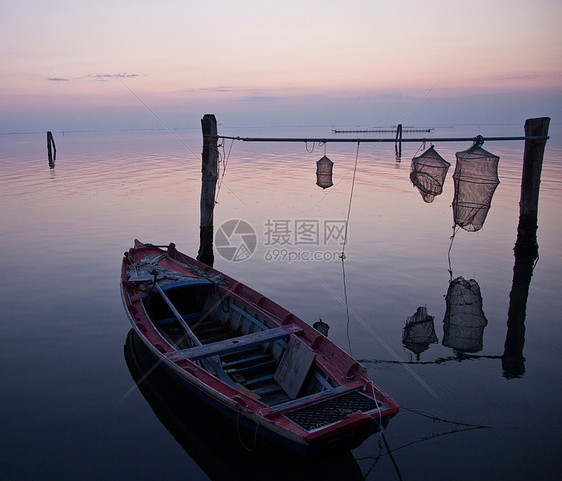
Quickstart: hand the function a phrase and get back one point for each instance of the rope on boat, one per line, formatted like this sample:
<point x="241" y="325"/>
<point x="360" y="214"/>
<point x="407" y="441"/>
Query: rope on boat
<point x="253" y="448"/>
<point x="216" y="278"/>
<point x="149" y="265"/>
<point x="136" y="287"/>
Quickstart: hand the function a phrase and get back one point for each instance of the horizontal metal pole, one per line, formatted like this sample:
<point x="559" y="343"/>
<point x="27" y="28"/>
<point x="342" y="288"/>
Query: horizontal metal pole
<point x="386" y="139"/>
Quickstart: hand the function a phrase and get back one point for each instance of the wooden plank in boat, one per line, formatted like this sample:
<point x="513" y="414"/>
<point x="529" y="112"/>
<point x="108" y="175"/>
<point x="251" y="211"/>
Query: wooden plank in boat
<point x="294" y="366"/>
<point x="312" y="398"/>
<point x="236" y="343"/>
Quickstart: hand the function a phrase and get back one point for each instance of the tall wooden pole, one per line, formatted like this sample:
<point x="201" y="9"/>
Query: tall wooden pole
<point x="526" y="248"/>
<point x="209" y="176"/>
<point x="532" y="168"/>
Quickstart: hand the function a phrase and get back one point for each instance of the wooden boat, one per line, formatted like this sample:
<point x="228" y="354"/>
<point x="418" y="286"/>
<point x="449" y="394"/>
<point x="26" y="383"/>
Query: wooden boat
<point x="248" y="357"/>
<point x="223" y="452"/>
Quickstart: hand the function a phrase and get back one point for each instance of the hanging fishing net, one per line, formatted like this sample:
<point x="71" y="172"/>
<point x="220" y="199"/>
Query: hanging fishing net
<point x="428" y="173"/>
<point x="324" y="172"/>
<point x="419" y="332"/>
<point x="464" y="320"/>
<point x="476" y="179"/>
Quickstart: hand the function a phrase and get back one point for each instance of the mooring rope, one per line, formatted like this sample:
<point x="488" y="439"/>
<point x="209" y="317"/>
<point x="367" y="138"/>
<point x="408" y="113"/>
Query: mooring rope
<point x="381" y="429"/>
<point x="391" y="456"/>
<point x="442" y="420"/>
<point x="253" y="448"/>
<point x="159" y="119"/>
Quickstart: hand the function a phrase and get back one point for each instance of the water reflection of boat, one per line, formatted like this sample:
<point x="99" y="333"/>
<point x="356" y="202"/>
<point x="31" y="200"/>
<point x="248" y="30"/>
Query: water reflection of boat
<point x="419" y="332"/>
<point x="248" y="357"/>
<point x="464" y="320"/>
<point x="221" y="450"/>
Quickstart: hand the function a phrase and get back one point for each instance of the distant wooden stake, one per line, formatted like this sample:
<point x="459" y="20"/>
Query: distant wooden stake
<point x="398" y="144"/>
<point x="51" y="142"/>
<point x="208" y="188"/>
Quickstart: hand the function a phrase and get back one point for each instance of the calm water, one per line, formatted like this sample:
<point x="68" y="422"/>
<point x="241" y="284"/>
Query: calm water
<point x="68" y="404"/>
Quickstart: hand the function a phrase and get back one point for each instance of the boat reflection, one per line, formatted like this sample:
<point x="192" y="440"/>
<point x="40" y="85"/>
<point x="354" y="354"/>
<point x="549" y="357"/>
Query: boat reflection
<point x="221" y="450"/>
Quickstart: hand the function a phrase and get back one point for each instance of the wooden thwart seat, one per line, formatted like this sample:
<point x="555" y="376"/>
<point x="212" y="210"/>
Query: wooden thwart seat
<point x="236" y="343"/>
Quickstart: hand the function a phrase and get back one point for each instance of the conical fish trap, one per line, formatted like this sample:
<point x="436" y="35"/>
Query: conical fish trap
<point x="476" y="179"/>
<point x="428" y="173"/>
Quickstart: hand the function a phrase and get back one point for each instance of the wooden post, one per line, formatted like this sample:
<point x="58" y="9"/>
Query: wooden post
<point x="208" y="188"/>
<point x="51" y="142"/>
<point x="398" y="143"/>
<point x="526" y="248"/>
<point x="532" y="167"/>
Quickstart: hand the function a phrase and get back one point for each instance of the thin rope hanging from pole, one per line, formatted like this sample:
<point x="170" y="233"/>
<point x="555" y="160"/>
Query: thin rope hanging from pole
<point x="350" y="201"/>
<point x="342" y="255"/>
<point x="224" y="161"/>
<point x="455" y="228"/>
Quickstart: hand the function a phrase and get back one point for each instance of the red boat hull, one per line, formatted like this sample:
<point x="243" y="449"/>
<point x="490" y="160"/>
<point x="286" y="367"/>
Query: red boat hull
<point x="339" y="417"/>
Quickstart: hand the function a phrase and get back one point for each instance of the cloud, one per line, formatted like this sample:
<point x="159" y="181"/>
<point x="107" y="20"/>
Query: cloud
<point x="58" y="79"/>
<point x="517" y="77"/>
<point x="530" y="76"/>
<point x="209" y="89"/>
<point x="391" y="96"/>
<point x="226" y="89"/>
<point x="262" y="98"/>
<point x="107" y="76"/>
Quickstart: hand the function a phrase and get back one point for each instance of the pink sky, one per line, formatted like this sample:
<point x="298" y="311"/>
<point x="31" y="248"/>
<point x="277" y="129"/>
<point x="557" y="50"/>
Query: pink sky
<point x="62" y="61"/>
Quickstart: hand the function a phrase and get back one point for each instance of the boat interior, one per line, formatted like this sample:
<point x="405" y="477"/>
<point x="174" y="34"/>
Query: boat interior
<point x="234" y="343"/>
